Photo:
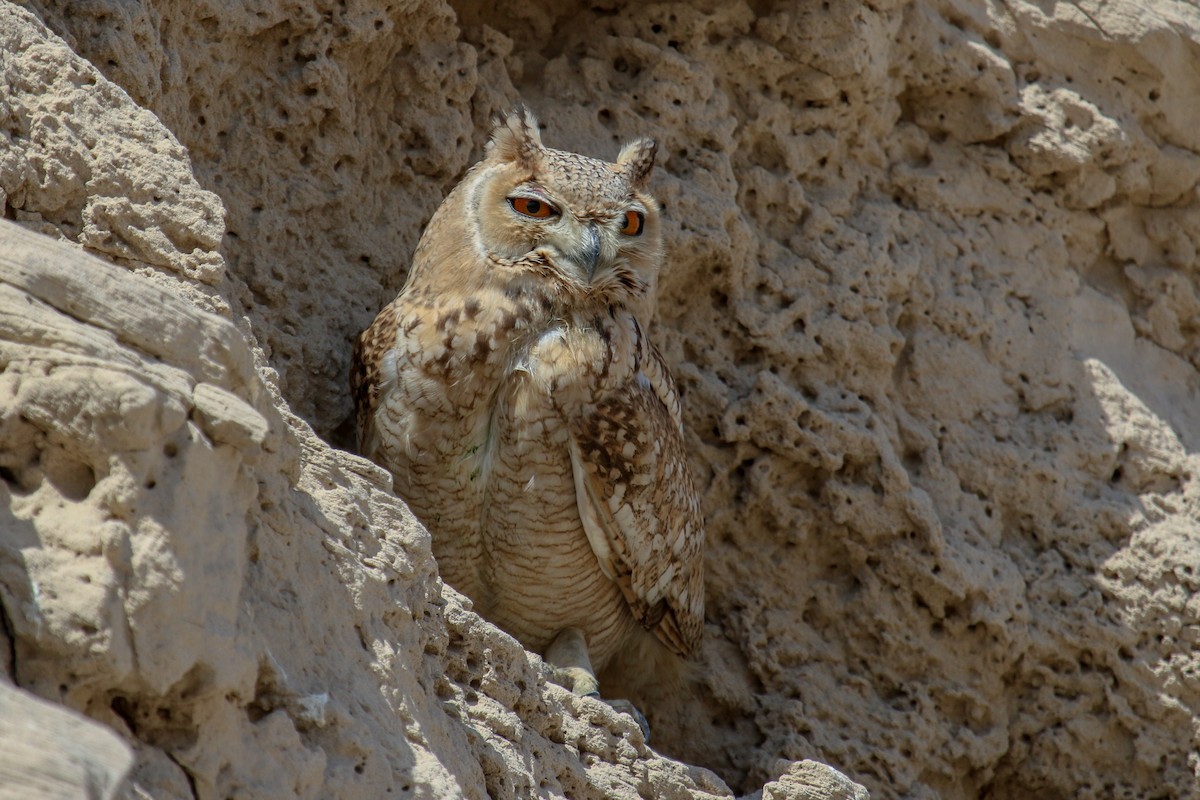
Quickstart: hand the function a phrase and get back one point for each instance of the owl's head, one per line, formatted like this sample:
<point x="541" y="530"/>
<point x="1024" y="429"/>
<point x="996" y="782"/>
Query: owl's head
<point x="588" y="224"/>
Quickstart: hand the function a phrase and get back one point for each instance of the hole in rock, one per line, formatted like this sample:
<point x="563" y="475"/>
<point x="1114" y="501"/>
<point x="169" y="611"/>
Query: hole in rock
<point x="122" y="708"/>
<point x="13" y="479"/>
<point x="74" y="480"/>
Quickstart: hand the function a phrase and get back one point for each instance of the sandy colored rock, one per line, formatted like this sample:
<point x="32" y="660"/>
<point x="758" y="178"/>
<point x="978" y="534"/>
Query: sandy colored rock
<point x="113" y="183"/>
<point x="808" y="780"/>
<point x="51" y="753"/>
<point x="932" y="301"/>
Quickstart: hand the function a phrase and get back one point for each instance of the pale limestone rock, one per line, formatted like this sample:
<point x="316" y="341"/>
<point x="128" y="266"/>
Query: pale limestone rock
<point x="228" y="419"/>
<point x="932" y="302"/>
<point x="808" y="780"/>
<point x="117" y="184"/>
<point x="50" y="753"/>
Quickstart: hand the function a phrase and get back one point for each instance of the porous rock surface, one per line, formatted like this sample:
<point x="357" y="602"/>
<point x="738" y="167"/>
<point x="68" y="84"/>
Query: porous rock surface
<point x="931" y="298"/>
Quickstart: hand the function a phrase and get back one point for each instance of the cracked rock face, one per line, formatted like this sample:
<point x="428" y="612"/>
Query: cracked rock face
<point x="931" y="299"/>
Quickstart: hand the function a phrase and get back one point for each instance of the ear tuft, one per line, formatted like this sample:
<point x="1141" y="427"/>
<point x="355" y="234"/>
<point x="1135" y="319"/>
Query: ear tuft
<point x="515" y="137"/>
<point x="637" y="160"/>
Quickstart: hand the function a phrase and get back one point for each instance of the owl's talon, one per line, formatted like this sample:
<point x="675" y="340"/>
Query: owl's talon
<point x="569" y="664"/>
<point x="575" y="680"/>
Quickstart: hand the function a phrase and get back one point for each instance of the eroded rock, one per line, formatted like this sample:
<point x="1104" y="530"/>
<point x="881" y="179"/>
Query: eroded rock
<point x="931" y="300"/>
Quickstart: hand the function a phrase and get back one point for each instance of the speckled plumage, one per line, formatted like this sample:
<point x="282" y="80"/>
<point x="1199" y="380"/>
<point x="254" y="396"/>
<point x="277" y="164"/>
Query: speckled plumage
<point x="524" y="414"/>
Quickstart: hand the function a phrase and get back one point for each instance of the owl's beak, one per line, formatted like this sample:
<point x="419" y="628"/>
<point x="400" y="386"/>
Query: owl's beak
<point x="591" y="249"/>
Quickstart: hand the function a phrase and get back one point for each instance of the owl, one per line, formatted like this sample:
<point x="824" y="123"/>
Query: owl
<point x="527" y="419"/>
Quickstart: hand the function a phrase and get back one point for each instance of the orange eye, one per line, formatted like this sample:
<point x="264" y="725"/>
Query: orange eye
<point x="538" y="209"/>
<point x="634" y="221"/>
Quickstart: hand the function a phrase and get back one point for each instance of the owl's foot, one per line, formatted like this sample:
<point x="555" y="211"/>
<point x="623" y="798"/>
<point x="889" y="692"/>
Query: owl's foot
<point x="571" y="668"/>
